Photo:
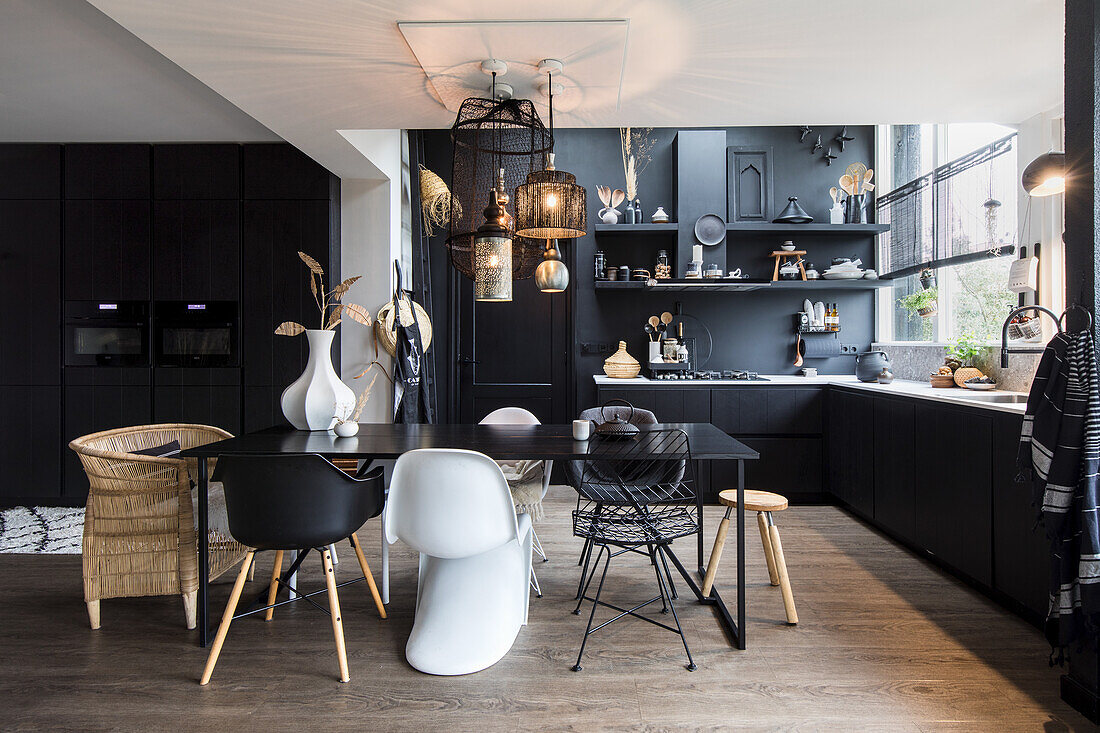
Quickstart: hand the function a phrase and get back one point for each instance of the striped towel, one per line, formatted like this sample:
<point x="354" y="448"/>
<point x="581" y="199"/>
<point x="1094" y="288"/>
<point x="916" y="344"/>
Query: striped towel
<point x="1060" y="454"/>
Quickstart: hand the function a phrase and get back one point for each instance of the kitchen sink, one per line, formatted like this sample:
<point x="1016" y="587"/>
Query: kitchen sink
<point x="999" y="397"/>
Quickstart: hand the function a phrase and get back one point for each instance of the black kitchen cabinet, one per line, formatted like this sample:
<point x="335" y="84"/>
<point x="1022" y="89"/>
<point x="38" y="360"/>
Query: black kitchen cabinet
<point x="101" y="398"/>
<point x="107" y="253"/>
<point x="669" y="404"/>
<point x="895" y="466"/>
<point x="107" y="171"/>
<point x="281" y="171"/>
<point x="788" y="466"/>
<point x="30" y="292"/>
<point x="30" y="171"/>
<point x="30" y="453"/>
<point x="196" y="250"/>
<point x="1020" y="548"/>
<point x="197" y="171"/>
<point x="276" y="286"/>
<point x="850" y="441"/>
<point x="261" y="407"/>
<point x="767" y="410"/>
<point x="200" y="396"/>
<point x="953" y="519"/>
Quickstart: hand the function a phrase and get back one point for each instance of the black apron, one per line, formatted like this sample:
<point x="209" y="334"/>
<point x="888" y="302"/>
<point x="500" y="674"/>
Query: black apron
<point x="410" y="389"/>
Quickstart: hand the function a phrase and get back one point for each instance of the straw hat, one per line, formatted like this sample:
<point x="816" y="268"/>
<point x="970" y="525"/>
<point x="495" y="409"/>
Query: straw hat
<point x="383" y="324"/>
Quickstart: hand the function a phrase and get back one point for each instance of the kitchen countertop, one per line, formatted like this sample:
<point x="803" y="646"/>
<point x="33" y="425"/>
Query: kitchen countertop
<point x="899" y="387"/>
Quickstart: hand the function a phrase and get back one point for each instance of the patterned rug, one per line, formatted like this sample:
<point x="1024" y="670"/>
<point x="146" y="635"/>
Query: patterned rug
<point x="50" y="530"/>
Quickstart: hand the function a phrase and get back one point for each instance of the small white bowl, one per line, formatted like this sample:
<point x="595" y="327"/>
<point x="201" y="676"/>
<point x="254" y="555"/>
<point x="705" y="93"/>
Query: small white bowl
<point x="346" y="429"/>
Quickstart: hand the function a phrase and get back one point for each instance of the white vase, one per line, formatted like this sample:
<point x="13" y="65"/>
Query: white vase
<point x="312" y="401"/>
<point x="346" y="429"/>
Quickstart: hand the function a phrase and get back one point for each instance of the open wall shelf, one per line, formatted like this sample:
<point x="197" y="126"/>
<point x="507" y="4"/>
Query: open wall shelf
<point x="681" y="285"/>
<point x="742" y="229"/>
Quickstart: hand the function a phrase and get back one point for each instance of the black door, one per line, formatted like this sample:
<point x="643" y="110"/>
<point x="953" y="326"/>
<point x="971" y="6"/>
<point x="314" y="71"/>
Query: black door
<point x="513" y="354"/>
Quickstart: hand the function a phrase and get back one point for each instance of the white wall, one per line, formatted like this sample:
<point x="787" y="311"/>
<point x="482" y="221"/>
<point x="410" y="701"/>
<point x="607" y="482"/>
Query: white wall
<point x="371" y="238"/>
<point x="1041" y="218"/>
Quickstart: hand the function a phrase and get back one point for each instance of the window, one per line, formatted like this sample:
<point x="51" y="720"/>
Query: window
<point x="954" y="194"/>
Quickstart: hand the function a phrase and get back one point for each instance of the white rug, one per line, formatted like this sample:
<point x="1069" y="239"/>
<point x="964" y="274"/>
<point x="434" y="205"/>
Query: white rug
<point x="48" y="530"/>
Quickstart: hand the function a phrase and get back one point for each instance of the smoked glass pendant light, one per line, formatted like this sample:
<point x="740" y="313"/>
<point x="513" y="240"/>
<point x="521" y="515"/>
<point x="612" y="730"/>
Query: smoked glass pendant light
<point x="1046" y="175"/>
<point x="550" y="205"/>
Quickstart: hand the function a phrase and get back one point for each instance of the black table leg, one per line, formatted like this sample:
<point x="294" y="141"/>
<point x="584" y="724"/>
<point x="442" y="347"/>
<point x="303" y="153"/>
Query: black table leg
<point x="741" y="554"/>
<point x="204" y="553"/>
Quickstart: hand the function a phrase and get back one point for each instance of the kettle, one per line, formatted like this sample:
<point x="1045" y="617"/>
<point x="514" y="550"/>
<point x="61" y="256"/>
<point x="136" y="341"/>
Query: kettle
<point x="616" y="427"/>
<point x="870" y="364"/>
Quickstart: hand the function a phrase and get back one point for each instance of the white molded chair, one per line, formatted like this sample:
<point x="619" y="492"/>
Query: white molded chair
<point x="520" y="416"/>
<point x="454" y="508"/>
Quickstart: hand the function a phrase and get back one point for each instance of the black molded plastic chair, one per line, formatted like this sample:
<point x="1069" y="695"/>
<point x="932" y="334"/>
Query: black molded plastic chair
<point x="300" y="503"/>
<point x="637" y="495"/>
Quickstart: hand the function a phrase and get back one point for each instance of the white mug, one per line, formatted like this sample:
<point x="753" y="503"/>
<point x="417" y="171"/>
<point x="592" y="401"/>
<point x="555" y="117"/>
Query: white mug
<point x="582" y="429"/>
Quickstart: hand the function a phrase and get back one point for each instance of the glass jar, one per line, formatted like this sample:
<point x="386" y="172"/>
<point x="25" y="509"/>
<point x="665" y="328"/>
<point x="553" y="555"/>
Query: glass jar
<point x="670" y="350"/>
<point x="601" y="265"/>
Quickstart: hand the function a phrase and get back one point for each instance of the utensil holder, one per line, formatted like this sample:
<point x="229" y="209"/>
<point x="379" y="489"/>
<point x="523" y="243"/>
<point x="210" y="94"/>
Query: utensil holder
<point x="854" y="211"/>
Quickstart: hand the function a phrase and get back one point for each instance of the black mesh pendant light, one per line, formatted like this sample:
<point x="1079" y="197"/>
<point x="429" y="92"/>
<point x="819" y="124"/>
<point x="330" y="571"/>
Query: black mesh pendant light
<point x="494" y="140"/>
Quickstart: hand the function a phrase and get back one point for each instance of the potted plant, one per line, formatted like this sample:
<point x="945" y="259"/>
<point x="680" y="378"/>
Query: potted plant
<point x="314" y="399"/>
<point x="924" y="303"/>
<point x="964" y="349"/>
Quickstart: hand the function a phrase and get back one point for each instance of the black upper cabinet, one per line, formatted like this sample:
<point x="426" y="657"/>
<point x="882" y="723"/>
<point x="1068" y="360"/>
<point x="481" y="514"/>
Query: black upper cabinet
<point x="107" y="171"/>
<point x="276" y="286"/>
<point x="895" y="465"/>
<point x="107" y="252"/>
<point x="30" y="292"/>
<point x="281" y="171"/>
<point x="30" y="171"/>
<point x="197" y="171"/>
<point x="196" y="250"/>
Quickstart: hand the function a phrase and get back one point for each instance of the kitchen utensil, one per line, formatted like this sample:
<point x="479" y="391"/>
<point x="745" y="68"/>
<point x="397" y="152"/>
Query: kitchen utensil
<point x="666" y="318"/>
<point x="832" y="194"/>
<point x="790" y="271"/>
<point x="654" y="321"/>
<point x="857" y="171"/>
<point x="808" y="309"/>
<point x="793" y="213"/>
<point x="798" y="351"/>
<point x="655" y="352"/>
<point x="819" y="313"/>
<point x="867" y="178"/>
<point x="854" y="212"/>
<point x="616" y="428"/>
<point x="582" y="429"/>
<point x="847" y="185"/>
<point x="869" y="364"/>
<point x="650" y="331"/>
<point x="710" y="229"/>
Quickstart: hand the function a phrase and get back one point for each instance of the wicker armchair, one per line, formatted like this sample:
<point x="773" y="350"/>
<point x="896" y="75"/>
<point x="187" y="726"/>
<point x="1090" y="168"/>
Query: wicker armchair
<point x="139" y="531"/>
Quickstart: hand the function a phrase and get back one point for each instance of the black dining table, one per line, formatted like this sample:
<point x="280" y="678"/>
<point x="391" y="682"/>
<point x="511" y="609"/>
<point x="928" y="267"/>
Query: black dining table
<point x="501" y="442"/>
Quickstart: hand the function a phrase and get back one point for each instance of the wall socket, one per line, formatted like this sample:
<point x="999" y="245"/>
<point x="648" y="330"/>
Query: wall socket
<point x="594" y="347"/>
<point x="849" y="349"/>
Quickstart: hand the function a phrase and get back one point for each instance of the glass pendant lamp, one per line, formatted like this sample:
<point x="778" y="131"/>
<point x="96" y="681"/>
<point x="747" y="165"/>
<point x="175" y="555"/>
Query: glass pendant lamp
<point x="550" y="205"/>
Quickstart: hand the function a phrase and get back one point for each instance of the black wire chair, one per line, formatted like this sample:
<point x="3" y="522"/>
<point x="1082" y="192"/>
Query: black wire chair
<point x="637" y="496"/>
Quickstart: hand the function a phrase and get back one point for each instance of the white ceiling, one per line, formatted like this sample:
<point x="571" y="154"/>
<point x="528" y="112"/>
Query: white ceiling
<point x="68" y="73"/>
<point x="308" y="68"/>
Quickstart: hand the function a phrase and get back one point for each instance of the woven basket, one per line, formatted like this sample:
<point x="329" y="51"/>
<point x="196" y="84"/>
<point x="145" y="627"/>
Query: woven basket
<point x="942" y="380"/>
<point x="964" y="373"/>
<point x="383" y="324"/>
<point x="621" y="365"/>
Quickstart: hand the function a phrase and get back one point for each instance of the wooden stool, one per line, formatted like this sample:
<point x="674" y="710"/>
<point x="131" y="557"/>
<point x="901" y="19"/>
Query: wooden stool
<point x="763" y="503"/>
<point x="781" y="257"/>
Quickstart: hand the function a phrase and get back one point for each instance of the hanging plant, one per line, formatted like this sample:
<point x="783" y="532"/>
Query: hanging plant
<point x="330" y="305"/>
<point x="435" y="201"/>
<point x="924" y="303"/>
<point x="927" y="279"/>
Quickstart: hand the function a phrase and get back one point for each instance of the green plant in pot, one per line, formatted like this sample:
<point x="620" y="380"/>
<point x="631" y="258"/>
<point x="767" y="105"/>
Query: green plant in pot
<point x="963" y="350"/>
<point x="927" y="279"/>
<point x="924" y="303"/>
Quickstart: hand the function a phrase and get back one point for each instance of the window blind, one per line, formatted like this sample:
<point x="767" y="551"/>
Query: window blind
<point x="960" y="212"/>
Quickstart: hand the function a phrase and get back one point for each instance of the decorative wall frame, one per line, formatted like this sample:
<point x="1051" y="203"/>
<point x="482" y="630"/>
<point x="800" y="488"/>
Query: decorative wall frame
<point x="749" y="187"/>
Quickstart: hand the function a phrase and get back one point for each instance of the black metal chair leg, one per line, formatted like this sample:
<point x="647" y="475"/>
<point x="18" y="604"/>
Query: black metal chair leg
<point x="595" y="602"/>
<point x="691" y="662"/>
<point x="584" y="570"/>
<point x="584" y="551"/>
<point x="657" y="571"/>
<point x="586" y="580"/>
<point x="668" y="574"/>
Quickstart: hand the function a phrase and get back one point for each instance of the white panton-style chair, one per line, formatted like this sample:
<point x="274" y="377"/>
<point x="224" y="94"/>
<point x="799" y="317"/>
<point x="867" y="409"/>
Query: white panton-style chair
<point x="455" y="509"/>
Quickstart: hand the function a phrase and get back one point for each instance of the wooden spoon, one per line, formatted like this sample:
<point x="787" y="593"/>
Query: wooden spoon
<point x="846" y="183"/>
<point x="798" y="351"/>
<point x="666" y="318"/>
<point x="832" y="194"/>
<point x="654" y="321"/>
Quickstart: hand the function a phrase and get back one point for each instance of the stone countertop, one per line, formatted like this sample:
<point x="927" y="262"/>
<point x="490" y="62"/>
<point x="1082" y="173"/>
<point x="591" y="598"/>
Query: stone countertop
<point x="899" y="387"/>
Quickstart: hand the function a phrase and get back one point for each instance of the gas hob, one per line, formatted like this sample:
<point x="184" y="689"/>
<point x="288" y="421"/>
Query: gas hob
<point x="736" y="375"/>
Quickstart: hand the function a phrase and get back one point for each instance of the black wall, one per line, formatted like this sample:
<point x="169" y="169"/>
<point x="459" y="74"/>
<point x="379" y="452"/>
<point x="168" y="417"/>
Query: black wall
<point x="149" y="222"/>
<point x="750" y="330"/>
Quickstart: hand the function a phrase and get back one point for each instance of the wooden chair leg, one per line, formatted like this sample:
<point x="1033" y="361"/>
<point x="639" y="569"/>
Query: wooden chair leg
<point x="337" y="621"/>
<point x="252" y="573"/>
<point x="368" y="575"/>
<point x="190" y="608"/>
<point x="273" y="589"/>
<point x="716" y="554"/>
<point x="768" y="554"/>
<point x="93" y="613"/>
<point x="784" y="580"/>
<point x="227" y="618"/>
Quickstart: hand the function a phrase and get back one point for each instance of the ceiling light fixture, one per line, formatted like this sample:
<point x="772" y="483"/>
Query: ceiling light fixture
<point x="550" y="205"/>
<point x="493" y="250"/>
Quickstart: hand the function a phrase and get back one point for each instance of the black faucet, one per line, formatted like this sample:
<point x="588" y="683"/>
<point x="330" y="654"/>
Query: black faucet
<point x="1005" y="351"/>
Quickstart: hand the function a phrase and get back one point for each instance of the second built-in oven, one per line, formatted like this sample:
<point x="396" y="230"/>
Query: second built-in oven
<point x="195" y="333"/>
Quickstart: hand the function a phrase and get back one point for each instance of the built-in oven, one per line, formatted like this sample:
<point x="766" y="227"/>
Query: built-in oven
<point x="189" y="333"/>
<point x="106" y="333"/>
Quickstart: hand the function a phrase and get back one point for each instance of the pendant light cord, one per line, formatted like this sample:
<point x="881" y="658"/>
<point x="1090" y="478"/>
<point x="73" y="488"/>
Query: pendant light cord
<point x="550" y="89"/>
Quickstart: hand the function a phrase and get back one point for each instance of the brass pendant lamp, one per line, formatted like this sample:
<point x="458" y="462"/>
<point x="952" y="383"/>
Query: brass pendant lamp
<point x="550" y="205"/>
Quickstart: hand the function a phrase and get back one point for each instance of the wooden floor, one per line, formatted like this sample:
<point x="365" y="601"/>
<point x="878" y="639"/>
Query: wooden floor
<point x="885" y="642"/>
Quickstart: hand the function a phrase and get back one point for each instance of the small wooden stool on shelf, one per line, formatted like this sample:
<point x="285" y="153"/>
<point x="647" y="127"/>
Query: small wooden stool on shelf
<point x="763" y="503"/>
<point x="781" y="257"/>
